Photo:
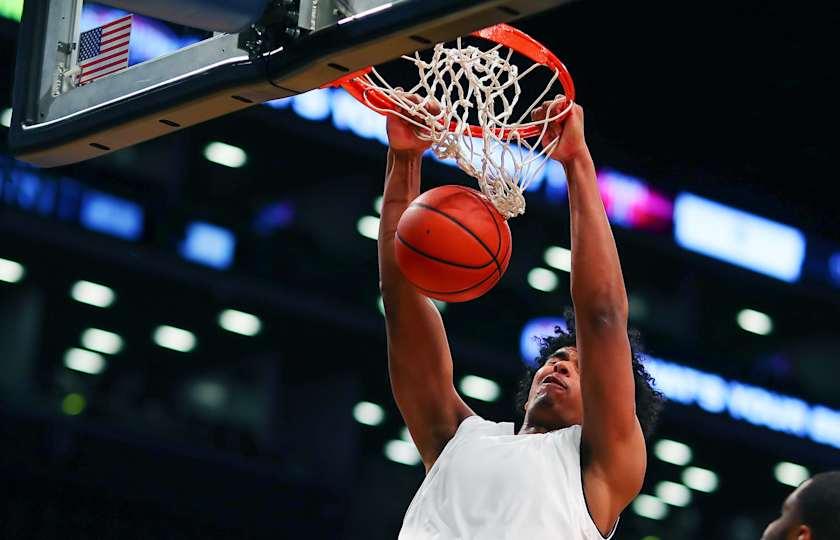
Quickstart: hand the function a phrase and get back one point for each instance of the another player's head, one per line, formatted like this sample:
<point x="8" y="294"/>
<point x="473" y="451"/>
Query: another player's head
<point x="811" y="512"/>
<point x="550" y="392"/>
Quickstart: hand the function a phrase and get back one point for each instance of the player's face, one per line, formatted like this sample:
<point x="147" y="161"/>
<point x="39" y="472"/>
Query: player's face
<point x="554" y="400"/>
<point x="789" y="525"/>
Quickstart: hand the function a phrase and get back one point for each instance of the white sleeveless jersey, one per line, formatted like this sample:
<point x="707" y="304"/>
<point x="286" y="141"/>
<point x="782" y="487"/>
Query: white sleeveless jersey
<point x="490" y="484"/>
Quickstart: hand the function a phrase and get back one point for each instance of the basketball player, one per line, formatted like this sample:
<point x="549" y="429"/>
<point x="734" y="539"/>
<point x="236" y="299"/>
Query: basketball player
<point x="580" y="457"/>
<point x="811" y="512"/>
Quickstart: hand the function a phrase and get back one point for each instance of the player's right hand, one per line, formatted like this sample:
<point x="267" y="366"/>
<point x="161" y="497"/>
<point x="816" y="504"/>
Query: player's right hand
<point x="403" y="135"/>
<point x="568" y="131"/>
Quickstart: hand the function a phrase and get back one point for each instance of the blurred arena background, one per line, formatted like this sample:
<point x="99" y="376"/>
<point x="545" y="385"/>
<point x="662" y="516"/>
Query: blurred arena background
<point x="191" y="334"/>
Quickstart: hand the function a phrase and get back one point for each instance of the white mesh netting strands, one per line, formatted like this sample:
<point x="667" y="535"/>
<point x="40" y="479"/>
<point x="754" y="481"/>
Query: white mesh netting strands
<point x="465" y="82"/>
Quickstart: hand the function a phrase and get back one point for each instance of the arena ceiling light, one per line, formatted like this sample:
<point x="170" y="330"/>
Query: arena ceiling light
<point x="402" y="452"/>
<point x="480" y="388"/>
<point x="700" y="479"/>
<point x="208" y="244"/>
<point x="240" y="322"/>
<point x="73" y="404"/>
<point x="368" y="226"/>
<point x="529" y="344"/>
<point x="92" y="294"/>
<point x="225" y="154"/>
<point x="559" y="258"/>
<point x="755" y="322"/>
<point x="11" y="9"/>
<point x="377" y="204"/>
<point x="650" y="507"/>
<point x="672" y="452"/>
<point x="791" y="474"/>
<point x="6" y="118"/>
<point x="542" y="279"/>
<point x="673" y="493"/>
<point x="102" y="341"/>
<point x="369" y="414"/>
<point x="11" y="271"/>
<point x="209" y="393"/>
<point x="177" y="339"/>
<point x="638" y="307"/>
<point x="738" y="237"/>
<point x="84" y="361"/>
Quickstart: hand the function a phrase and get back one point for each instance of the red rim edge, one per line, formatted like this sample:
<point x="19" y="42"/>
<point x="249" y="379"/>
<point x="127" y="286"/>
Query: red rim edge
<point x="504" y="34"/>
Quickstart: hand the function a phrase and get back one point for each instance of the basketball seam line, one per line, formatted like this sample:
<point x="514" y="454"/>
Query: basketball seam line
<point x="495" y="223"/>
<point x="507" y="253"/>
<point x="498" y="233"/>
<point x="461" y="225"/>
<point x="443" y="261"/>
<point x="471" y="287"/>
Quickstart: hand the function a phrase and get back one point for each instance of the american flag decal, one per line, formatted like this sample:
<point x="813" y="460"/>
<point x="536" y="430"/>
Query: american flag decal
<point x="104" y="50"/>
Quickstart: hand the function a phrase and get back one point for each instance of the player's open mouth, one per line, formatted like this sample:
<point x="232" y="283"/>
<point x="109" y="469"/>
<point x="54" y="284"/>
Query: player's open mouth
<point x="551" y="379"/>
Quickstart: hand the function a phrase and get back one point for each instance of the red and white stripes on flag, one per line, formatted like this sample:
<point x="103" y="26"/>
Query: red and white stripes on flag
<point x="104" y="50"/>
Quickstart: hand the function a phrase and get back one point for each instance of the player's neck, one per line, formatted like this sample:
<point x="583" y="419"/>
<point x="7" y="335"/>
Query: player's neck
<point x="542" y="421"/>
<point x="532" y="425"/>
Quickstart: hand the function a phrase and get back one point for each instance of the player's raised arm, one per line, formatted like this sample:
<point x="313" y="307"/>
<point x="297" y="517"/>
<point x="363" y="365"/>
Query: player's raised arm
<point x="612" y="448"/>
<point x="419" y="361"/>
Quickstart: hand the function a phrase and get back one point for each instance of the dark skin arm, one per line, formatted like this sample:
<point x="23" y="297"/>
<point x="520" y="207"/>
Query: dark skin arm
<point x="613" y="445"/>
<point x="419" y="360"/>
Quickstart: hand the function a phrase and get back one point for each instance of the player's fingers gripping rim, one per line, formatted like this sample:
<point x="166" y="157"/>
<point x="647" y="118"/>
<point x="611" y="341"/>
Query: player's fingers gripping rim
<point x="551" y="137"/>
<point x="412" y="118"/>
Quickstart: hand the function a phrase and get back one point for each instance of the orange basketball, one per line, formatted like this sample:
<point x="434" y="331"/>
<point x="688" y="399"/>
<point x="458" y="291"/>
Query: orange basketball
<point x="453" y="244"/>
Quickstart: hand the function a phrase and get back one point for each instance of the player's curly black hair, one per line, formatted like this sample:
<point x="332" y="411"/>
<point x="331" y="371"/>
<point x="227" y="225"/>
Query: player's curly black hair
<point x="648" y="400"/>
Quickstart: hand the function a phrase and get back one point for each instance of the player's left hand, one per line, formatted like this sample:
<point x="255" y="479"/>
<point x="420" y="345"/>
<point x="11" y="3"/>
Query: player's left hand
<point x="403" y="136"/>
<point x="568" y="131"/>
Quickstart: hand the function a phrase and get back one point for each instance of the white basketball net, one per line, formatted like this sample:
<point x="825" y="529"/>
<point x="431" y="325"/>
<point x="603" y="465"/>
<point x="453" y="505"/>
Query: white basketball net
<point x="461" y="80"/>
